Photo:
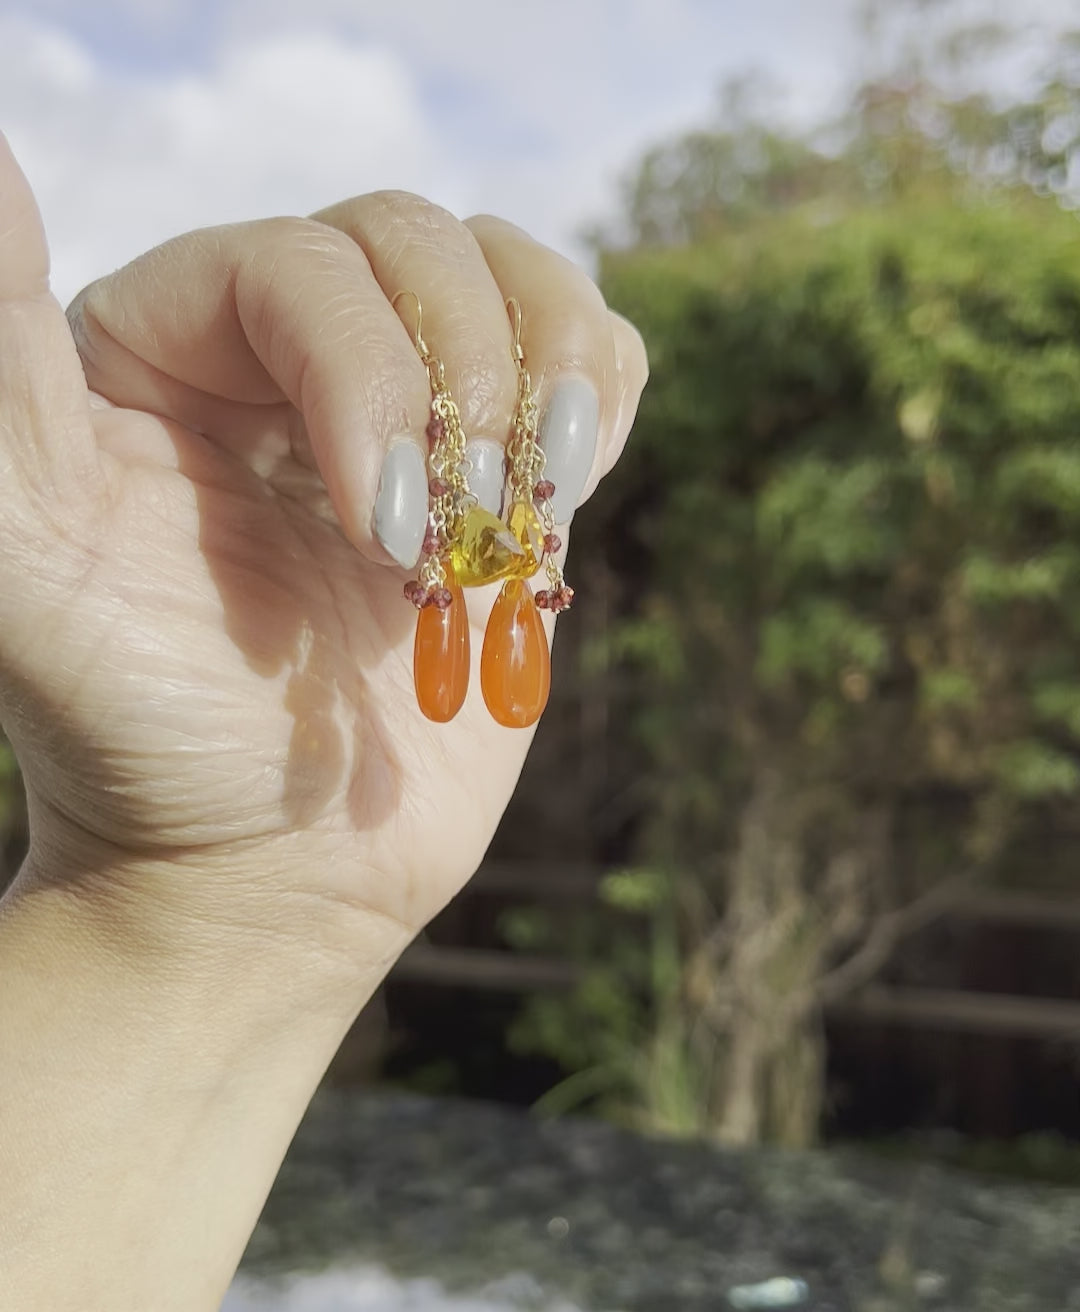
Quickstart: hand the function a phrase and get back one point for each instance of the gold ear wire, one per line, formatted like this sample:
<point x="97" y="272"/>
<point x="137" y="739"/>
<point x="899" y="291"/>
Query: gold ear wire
<point x="514" y="308"/>
<point x="418" y="338"/>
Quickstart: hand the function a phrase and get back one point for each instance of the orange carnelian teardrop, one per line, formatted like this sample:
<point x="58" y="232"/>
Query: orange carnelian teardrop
<point x="515" y="666"/>
<point x="441" y="657"/>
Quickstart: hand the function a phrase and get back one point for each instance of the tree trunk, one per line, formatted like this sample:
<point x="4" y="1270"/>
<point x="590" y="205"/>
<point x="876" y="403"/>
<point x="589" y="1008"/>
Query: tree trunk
<point x="771" y="1088"/>
<point x="742" y="1106"/>
<point x="795" y="1085"/>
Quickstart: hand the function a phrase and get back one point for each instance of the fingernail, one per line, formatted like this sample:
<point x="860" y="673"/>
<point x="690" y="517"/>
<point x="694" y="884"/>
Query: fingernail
<point x="568" y="433"/>
<point x="401" y="506"/>
<point x="487" y="473"/>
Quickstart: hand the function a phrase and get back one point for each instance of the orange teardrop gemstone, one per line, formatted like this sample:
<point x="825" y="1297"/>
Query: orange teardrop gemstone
<point x="515" y="665"/>
<point x="441" y="657"/>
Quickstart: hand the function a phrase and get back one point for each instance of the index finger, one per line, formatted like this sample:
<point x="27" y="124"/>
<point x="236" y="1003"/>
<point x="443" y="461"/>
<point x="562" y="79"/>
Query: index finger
<point x="218" y="328"/>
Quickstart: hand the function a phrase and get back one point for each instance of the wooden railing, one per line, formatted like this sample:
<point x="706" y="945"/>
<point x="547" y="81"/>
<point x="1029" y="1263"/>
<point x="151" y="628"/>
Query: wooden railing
<point x="961" y="1011"/>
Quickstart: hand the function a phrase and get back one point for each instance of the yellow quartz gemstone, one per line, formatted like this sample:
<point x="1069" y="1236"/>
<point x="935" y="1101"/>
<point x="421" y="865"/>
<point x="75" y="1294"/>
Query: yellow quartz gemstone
<point x="525" y="525"/>
<point x="485" y="550"/>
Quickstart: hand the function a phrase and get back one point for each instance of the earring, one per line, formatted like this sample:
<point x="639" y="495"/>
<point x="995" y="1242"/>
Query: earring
<point x="532" y="516"/>
<point x="515" y="664"/>
<point x="467" y="546"/>
<point x="441" y="648"/>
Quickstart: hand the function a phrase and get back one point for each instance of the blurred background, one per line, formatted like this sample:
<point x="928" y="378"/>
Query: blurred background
<point x="794" y="858"/>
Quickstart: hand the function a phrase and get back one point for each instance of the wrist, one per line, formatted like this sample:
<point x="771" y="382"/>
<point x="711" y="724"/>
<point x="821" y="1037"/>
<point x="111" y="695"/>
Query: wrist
<point x="178" y="1051"/>
<point x="261" y="921"/>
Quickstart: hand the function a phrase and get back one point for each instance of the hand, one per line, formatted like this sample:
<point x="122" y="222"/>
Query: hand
<point x="206" y="657"/>
<point x="239" y="816"/>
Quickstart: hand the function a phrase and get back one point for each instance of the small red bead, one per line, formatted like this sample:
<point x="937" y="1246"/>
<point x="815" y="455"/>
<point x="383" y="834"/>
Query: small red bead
<point x="543" y="599"/>
<point x="544" y="490"/>
<point x="564" y="597"/>
<point x="552" y="542"/>
<point x="438" y="488"/>
<point x="431" y="543"/>
<point x="436" y="429"/>
<point x="414" y="591"/>
<point x="443" y="598"/>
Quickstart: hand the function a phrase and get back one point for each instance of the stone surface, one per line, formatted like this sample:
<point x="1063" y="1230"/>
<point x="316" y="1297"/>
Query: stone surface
<point x="366" y="1288"/>
<point x="476" y="1196"/>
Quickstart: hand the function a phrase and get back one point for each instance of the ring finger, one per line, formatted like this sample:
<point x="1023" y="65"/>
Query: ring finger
<point x="415" y="246"/>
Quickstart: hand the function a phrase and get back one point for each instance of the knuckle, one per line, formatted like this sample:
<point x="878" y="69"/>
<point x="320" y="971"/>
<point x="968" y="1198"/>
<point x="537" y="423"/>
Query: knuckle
<point x="571" y="310"/>
<point x="582" y="328"/>
<point x="399" y="220"/>
<point x="288" y="238"/>
<point x="487" y="226"/>
<point x="274" y="284"/>
<point x="588" y="298"/>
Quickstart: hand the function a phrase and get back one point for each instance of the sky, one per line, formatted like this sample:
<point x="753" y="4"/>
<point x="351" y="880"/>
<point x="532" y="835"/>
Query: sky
<point x="139" y="119"/>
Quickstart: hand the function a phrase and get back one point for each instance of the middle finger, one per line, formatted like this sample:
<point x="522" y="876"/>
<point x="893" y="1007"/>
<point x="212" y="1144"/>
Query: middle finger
<point x="414" y="245"/>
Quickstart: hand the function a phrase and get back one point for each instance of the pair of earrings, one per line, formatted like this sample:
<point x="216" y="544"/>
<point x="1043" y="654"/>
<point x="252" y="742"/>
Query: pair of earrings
<point x="467" y="546"/>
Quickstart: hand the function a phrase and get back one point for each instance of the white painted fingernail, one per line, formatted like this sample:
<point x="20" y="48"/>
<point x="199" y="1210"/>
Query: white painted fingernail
<point x="487" y="473"/>
<point x="568" y="433"/>
<point x="401" y="506"/>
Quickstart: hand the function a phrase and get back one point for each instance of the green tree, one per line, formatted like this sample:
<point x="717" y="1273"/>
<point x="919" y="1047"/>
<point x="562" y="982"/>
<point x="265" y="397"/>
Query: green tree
<point x="855" y="492"/>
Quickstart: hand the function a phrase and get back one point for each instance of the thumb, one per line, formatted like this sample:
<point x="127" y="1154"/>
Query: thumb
<point x="48" y="456"/>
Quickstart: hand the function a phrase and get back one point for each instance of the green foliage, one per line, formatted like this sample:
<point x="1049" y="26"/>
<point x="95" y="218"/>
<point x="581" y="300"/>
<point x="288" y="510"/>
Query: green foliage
<point x="636" y="891"/>
<point x="1041" y="578"/>
<point x="634" y="1070"/>
<point x="1033" y="769"/>
<point x="920" y="127"/>
<point x="855" y="485"/>
<point x="9" y="767"/>
<point x="13" y="828"/>
<point x="1047" y="1157"/>
<point x="818" y="638"/>
<point x="1058" y="703"/>
<point x="876" y="421"/>
<point x="1042" y="479"/>
<point x="943" y="689"/>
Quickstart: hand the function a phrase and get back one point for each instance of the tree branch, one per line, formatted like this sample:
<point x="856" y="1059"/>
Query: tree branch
<point x="880" y="944"/>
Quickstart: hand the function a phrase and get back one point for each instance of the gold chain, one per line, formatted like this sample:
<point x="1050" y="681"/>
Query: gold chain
<point x="447" y="467"/>
<point x="524" y="454"/>
<point x="526" y="460"/>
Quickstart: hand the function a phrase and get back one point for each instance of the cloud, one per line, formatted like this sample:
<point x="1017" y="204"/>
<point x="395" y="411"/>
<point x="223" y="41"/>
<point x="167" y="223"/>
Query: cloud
<point x="530" y="113"/>
<point x="282" y="125"/>
<point x="137" y="119"/>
